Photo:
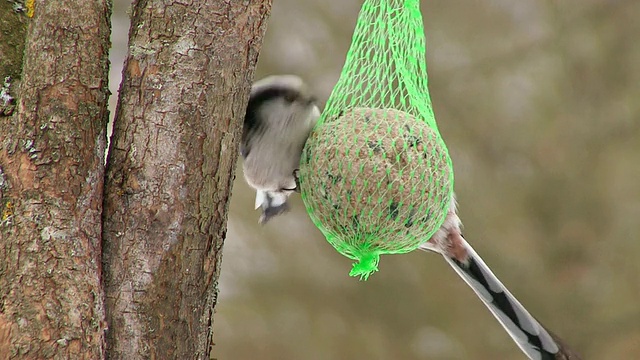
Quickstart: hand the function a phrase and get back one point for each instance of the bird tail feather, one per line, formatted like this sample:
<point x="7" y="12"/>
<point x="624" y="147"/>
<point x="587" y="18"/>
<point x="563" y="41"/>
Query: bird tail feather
<point x="532" y="338"/>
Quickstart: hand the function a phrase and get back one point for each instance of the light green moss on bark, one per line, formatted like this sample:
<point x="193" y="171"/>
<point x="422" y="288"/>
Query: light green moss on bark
<point x="13" y="27"/>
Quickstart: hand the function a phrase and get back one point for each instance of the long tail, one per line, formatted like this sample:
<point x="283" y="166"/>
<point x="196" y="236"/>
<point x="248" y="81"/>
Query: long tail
<point x="526" y="331"/>
<point x="530" y="336"/>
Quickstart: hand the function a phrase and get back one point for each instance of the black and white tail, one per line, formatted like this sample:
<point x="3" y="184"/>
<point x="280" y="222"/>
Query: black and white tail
<point x="530" y="336"/>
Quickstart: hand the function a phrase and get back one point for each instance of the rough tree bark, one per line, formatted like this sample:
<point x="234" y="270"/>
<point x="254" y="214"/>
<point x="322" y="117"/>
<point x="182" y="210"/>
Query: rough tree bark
<point x="51" y="174"/>
<point x="170" y="172"/>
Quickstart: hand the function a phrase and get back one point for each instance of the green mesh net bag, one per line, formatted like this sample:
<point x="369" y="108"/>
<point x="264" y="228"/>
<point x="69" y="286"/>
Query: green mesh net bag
<point x="375" y="175"/>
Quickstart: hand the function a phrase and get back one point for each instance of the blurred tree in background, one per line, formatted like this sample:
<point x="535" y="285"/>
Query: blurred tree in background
<point x="539" y="102"/>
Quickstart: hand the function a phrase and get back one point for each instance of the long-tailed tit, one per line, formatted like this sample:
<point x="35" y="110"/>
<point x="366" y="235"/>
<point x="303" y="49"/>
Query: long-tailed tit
<point x="533" y="339"/>
<point x="280" y="115"/>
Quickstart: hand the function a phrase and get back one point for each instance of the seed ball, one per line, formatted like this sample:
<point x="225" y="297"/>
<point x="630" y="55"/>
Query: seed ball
<point x="376" y="181"/>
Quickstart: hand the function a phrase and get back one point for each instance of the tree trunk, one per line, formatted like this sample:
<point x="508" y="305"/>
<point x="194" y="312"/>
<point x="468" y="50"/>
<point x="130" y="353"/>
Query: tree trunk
<point x="170" y="171"/>
<point x="51" y="174"/>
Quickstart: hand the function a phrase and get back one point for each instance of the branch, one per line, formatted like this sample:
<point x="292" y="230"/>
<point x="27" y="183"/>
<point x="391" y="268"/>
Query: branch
<point x="170" y="171"/>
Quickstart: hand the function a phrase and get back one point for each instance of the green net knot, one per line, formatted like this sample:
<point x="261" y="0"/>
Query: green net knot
<point x="367" y="264"/>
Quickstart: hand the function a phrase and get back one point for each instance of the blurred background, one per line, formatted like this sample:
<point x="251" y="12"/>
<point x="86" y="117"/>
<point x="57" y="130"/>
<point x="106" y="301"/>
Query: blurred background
<point x="539" y="103"/>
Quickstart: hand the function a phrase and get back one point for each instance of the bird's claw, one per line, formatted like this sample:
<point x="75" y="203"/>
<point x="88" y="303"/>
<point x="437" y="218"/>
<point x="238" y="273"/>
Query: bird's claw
<point x="296" y="177"/>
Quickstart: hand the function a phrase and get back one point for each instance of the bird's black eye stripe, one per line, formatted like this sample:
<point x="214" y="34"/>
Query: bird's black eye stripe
<point x="290" y="97"/>
<point x="259" y="98"/>
<point x="262" y="96"/>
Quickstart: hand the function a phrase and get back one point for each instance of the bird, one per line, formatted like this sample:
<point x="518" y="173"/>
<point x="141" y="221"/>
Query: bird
<point x="280" y="114"/>
<point x="535" y="341"/>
